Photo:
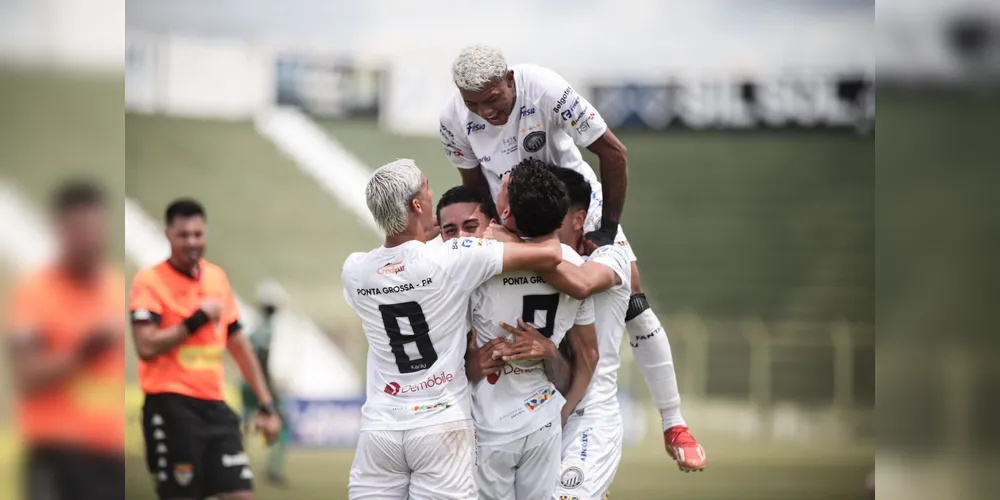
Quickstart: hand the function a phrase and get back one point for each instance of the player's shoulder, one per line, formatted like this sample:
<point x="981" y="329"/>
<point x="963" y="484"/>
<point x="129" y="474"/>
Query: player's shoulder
<point x="570" y="255"/>
<point x="539" y="81"/>
<point x="147" y="275"/>
<point x="611" y="252"/>
<point x="213" y="271"/>
<point x="352" y="262"/>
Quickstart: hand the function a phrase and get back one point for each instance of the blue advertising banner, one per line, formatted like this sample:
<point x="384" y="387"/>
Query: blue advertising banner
<point x="324" y="423"/>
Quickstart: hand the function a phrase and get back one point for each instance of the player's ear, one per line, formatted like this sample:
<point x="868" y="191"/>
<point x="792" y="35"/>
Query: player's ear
<point x="579" y="219"/>
<point x="510" y="77"/>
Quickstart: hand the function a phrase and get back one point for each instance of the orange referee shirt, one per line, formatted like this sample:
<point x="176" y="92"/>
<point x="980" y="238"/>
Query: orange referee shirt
<point x="167" y="296"/>
<point x="87" y="409"/>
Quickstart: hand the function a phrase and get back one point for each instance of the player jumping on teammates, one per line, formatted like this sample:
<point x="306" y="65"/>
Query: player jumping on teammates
<point x="503" y="114"/>
<point x="517" y="409"/>
<point x="417" y="438"/>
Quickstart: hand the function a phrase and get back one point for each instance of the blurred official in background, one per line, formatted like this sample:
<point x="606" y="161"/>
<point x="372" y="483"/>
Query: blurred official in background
<point x="272" y="299"/>
<point x="67" y="347"/>
<point x="184" y="316"/>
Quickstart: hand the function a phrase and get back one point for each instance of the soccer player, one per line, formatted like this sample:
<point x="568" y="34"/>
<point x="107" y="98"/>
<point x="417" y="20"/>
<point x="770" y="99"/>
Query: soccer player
<point x="517" y="409"/>
<point x="417" y="438"/>
<point x="592" y="436"/>
<point x="66" y="339"/>
<point x="183" y="317"/>
<point x="503" y="114"/>
<point x="270" y="297"/>
<point x="462" y="212"/>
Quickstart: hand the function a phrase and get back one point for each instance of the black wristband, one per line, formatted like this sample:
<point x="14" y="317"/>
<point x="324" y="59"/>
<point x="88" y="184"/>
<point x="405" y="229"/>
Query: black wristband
<point x="267" y="409"/>
<point x="196" y="321"/>
<point x="609" y="226"/>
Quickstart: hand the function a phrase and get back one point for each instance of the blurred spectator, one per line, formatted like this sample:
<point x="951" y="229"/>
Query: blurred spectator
<point x="66" y="338"/>
<point x="271" y="298"/>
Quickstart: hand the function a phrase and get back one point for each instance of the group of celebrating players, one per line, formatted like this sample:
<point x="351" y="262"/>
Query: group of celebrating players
<point x="493" y="356"/>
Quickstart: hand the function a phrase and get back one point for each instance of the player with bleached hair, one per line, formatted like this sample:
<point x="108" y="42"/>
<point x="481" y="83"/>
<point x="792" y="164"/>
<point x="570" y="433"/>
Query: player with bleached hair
<point x="417" y="437"/>
<point x="502" y="114"/>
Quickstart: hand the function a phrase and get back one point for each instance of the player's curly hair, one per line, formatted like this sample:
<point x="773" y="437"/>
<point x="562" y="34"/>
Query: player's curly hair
<point x="577" y="187"/>
<point x="538" y="199"/>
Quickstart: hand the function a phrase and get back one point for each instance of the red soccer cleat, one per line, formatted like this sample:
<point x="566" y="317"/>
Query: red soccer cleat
<point x="683" y="448"/>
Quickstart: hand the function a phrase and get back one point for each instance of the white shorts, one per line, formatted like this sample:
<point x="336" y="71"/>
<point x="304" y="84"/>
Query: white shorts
<point x="436" y="462"/>
<point x="591" y="452"/>
<point x="593" y="222"/>
<point x="526" y="468"/>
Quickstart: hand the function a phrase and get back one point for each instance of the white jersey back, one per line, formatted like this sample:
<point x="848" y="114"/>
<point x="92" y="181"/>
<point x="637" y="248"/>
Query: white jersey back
<point x="520" y="399"/>
<point x="601" y="400"/>
<point x="550" y="121"/>
<point x="414" y="302"/>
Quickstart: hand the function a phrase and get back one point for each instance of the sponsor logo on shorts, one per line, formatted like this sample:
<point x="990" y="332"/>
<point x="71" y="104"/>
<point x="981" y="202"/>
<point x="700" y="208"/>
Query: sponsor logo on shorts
<point x="390" y="268"/>
<point x="539" y="398"/>
<point x="394" y="389"/>
<point x="440" y="405"/>
<point x="584" y="443"/>
<point x="571" y="478"/>
<point x="235" y="460"/>
<point x="183" y="474"/>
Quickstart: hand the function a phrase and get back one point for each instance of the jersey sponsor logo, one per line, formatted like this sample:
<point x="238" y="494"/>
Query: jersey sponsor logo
<point x="509" y="370"/>
<point x="183" y="474"/>
<point x="473" y="127"/>
<point x="539" y="398"/>
<point x="394" y="389"/>
<point x="483" y="159"/>
<point x="509" y="145"/>
<point x="562" y="100"/>
<point x="567" y="497"/>
<point x="446" y="135"/>
<point x="391" y="268"/>
<point x="571" y="478"/>
<point x="201" y="357"/>
<point x="526" y="111"/>
<point x="584" y="124"/>
<point x="440" y="405"/>
<point x="469" y="243"/>
<point x="405" y="287"/>
<point x="634" y="342"/>
<point x="534" y="142"/>
<point x="568" y="113"/>
<point x="522" y="280"/>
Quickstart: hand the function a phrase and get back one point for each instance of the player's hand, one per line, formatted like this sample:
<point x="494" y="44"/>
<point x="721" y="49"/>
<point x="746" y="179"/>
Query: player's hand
<point x="605" y="235"/>
<point x="268" y="424"/>
<point x="480" y="361"/>
<point x="213" y="308"/>
<point x="586" y="247"/>
<point x="528" y="343"/>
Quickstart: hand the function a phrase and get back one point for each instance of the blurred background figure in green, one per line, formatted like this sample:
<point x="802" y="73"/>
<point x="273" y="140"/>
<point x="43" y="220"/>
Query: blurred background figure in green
<point x="271" y="298"/>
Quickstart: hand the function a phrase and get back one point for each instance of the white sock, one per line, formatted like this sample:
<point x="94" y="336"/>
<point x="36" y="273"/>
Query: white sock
<point x="652" y="354"/>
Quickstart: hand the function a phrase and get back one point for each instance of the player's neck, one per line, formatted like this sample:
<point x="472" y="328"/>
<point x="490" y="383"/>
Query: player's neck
<point x="81" y="271"/>
<point x="412" y="233"/>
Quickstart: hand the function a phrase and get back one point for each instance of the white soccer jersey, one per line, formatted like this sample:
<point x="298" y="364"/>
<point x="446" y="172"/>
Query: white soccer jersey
<point x="601" y="400"/>
<point x="413" y="303"/>
<point x="550" y="122"/>
<point x="520" y="399"/>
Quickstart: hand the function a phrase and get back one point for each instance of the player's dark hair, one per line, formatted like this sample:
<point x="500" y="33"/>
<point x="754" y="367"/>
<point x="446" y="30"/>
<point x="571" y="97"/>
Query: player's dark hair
<point x="184" y="207"/>
<point x="577" y="187"/>
<point x="75" y="194"/>
<point x="462" y="194"/>
<point x="538" y="199"/>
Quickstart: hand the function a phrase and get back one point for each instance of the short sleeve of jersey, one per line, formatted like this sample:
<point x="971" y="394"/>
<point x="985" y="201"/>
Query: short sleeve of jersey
<point x="454" y="140"/>
<point x="144" y="304"/>
<point x="615" y="258"/>
<point x="471" y="261"/>
<point x="231" y="315"/>
<point x="570" y="111"/>
<point x="345" y="276"/>
<point x="585" y="315"/>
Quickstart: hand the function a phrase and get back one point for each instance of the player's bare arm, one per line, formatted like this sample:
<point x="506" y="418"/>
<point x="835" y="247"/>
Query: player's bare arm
<point x="583" y="281"/>
<point x="586" y="354"/>
<point x="37" y="370"/>
<point x="539" y="256"/>
<point x="613" y="160"/>
<point x="529" y="343"/>
<point x="241" y="350"/>
<point x="479" y="361"/>
<point x="152" y="341"/>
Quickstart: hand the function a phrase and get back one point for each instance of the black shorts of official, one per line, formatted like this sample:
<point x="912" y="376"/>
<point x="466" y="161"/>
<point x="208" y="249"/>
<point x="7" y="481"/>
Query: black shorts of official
<point x="63" y="473"/>
<point x="194" y="448"/>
